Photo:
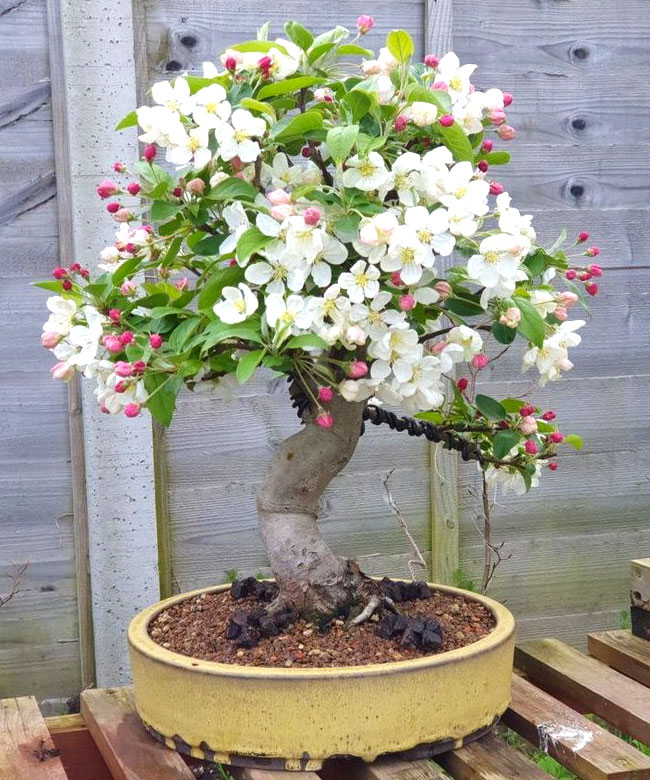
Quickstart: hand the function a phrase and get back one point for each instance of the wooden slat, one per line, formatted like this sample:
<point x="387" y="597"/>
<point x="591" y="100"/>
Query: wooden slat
<point x="605" y="692"/>
<point x="588" y="750"/>
<point x="382" y="769"/>
<point x="628" y="654"/>
<point x="80" y="757"/>
<point x="490" y="758"/>
<point x="244" y="773"/>
<point x="58" y="723"/>
<point x="127" y="749"/>
<point x="26" y="749"/>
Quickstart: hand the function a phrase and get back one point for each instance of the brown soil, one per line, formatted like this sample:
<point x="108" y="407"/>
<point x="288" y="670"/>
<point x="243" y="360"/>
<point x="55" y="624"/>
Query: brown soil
<point x="196" y="628"/>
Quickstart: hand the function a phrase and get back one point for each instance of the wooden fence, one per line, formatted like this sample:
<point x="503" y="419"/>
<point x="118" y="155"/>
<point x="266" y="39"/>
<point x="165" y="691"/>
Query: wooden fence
<point x="579" y="71"/>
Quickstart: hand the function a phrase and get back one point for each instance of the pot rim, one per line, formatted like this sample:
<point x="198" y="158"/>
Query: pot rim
<point x="140" y="641"/>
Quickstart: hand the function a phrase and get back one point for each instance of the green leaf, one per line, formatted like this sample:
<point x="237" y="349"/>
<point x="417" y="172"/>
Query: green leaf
<point x="433" y="417"/>
<point x="161" y="210"/>
<point x="318" y="51"/>
<point x="247" y="365"/>
<point x="531" y="325"/>
<point x="196" y="83"/>
<point x="512" y="405"/>
<point x="504" y="441"/>
<point x="503" y="334"/>
<point x="358" y="102"/>
<point x="574" y="440"/>
<point x="258" y="46"/>
<point x="463" y="307"/>
<point x="172" y="251"/>
<point x="420" y="94"/>
<point x="299" y="35"/>
<point x="52" y="286"/>
<point x="287" y="86"/>
<point x="306" y="341"/>
<point x="536" y="263"/>
<point x="126" y="268"/>
<point x="352" y="48"/>
<point x="182" y="333"/>
<point x="130" y="120"/>
<point x="490" y="408"/>
<point x="251" y="241"/>
<point x="218" y="332"/>
<point x="296" y="126"/>
<point x="211" y="290"/>
<point x="257" y="105"/>
<point x="456" y="140"/>
<point x="233" y="189"/>
<point x="340" y="141"/>
<point x="162" y="389"/>
<point x="400" y="45"/>
<point x="558" y="241"/>
<point x="497" y="158"/>
<point x="209" y="246"/>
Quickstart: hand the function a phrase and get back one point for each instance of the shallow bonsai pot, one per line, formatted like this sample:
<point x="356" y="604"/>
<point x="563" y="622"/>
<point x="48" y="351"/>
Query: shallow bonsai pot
<point x="296" y="718"/>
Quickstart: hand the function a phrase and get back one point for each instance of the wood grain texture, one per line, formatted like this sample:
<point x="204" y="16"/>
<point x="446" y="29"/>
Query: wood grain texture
<point x="129" y="752"/>
<point x="624" y="652"/>
<point x="381" y="769"/>
<point x="439" y="26"/>
<point x="80" y="757"/>
<point x="577" y="743"/>
<point x="26" y="748"/>
<point x="490" y="758"/>
<point x="244" y="773"/>
<point x="556" y="667"/>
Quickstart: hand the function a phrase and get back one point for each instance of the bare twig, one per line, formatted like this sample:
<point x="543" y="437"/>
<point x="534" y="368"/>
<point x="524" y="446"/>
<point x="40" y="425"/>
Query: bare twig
<point x="493" y="552"/>
<point x="419" y="562"/>
<point x="14" y="588"/>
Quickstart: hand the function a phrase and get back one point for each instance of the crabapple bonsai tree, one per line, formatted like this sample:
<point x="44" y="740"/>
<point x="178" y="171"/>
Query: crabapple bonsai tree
<point x="301" y="223"/>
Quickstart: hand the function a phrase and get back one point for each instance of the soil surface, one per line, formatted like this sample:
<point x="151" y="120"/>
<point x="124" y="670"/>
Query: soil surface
<point x="198" y="628"/>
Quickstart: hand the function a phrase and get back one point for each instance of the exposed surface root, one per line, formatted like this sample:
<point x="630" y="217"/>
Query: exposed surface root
<point x="375" y="603"/>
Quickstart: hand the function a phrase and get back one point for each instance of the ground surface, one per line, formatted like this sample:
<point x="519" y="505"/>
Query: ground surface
<point x="198" y="628"/>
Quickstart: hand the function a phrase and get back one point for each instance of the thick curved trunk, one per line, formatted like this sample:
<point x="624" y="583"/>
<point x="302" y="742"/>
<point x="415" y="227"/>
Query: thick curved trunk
<point x="312" y="580"/>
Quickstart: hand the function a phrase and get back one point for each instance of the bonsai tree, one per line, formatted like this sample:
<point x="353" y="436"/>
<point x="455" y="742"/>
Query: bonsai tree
<point x="302" y="222"/>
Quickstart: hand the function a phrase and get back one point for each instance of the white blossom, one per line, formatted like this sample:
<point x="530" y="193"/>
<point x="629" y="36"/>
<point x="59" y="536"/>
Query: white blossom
<point x="366" y="173"/>
<point x="237" y="305"/>
<point x="360" y="282"/>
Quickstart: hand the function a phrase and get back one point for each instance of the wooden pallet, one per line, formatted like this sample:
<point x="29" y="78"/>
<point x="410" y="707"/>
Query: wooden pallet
<point x="552" y="689"/>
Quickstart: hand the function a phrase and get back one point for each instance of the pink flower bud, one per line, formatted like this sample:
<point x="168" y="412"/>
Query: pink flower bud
<point x="483" y="166"/>
<point x="149" y="153"/>
<point x="195" y="186"/>
<point x="237" y="164"/>
<point x="182" y="284"/>
<point x="497" y="116"/>
<point x="325" y="394"/>
<point x="325" y="420"/>
<point x="122" y="215"/>
<point x="120" y="387"/>
<point x="123" y="369"/>
<point x="507" y="99"/>
<point x="593" y="251"/>
<point x="527" y="410"/>
<point x="396" y="279"/>
<point x="400" y="123"/>
<point x="279" y="197"/>
<point x="355" y="335"/>
<point x="106" y="189"/>
<point x="567" y="299"/>
<point x="556" y="437"/>
<point x="131" y="248"/>
<point x="50" y="339"/>
<point x="528" y="425"/>
<point x="582" y="237"/>
<point x="134" y="188"/>
<point x="431" y="61"/>
<point x="177" y="192"/>
<point x="112" y="344"/>
<point x="113" y="207"/>
<point x="511" y="317"/>
<point x="62" y="371"/>
<point x="506" y="132"/>
<point x="365" y="23"/>
<point x="155" y="340"/>
<point x="66" y="284"/>
<point x="479" y="362"/>
<point x="139" y="367"/>
<point x="443" y="289"/>
<point x="561" y="313"/>
<point x="230" y="64"/>
<point x="60" y="273"/>
<point x="128" y="287"/>
<point x="132" y="410"/>
<point x="446" y="120"/>
<point x="496" y="188"/>
<point x="119" y="167"/>
<point x="312" y="216"/>
<point x="115" y="315"/>
<point x="305" y="152"/>
<point x="571" y="274"/>
<point x="357" y="369"/>
<point x="126" y="337"/>
<point x="548" y="416"/>
<point x="407" y="302"/>
<point x="585" y="276"/>
<point x="552" y="466"/>
<point x="462" y="384"/>
<point x="487" y="145"/>
<point x="282" y="211"/>
<point x="442" y="86"/>
<point x="592" y="288"/>
<point x="531" y="447"/>
<point x="264" y="63"/>
<point x="595" y="269"/>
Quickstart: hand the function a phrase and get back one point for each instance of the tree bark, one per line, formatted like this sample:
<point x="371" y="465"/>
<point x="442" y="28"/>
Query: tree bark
<point x="313" y="580"/>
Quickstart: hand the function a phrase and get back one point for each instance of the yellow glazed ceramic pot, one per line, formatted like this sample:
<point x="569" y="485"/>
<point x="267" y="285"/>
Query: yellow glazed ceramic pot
<point x="297" y="718"/>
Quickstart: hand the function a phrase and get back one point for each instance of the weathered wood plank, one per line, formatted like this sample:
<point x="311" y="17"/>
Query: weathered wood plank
<point x="624" y="652"/>
<point x="80" y="757"/>
<point x="244" y="773"/>
<point x="127" y="749"/>
<point x="579" y="744"/>
<point x="490" y="758"/>
<point x="26" y="748"/>
<point x="554" y="666"/>
<point x="382" y="769"/>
